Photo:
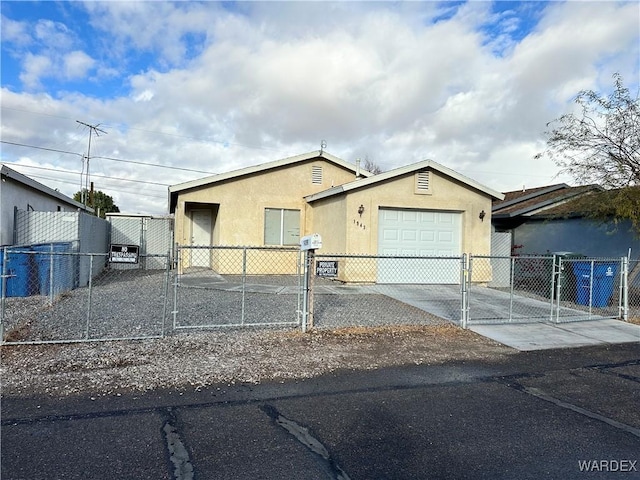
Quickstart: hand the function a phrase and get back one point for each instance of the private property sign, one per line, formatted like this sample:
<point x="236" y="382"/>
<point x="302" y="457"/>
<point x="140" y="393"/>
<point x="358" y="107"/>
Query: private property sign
<point x="123" y="253"/>
<point x="327" y="268"/>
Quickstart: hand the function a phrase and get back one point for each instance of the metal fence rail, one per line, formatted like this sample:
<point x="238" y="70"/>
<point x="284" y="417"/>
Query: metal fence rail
<point x="236" y="287"/>
<point x="47" y="299"/>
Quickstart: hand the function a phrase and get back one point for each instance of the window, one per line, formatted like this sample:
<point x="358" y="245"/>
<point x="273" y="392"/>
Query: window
<point x="281" y="227"/>
<point x="316" y="175"/>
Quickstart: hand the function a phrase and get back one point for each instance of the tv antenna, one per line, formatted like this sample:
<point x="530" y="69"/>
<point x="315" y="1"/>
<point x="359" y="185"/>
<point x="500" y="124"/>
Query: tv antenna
<point x="93" y="130"/>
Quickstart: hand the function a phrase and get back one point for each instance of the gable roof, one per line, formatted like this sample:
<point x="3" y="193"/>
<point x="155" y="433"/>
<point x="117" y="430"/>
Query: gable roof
<point x="536" y="200"/>
<point x="398" y="172"/>
<point x="31" y="183"/>
<point x="267" y="166"/>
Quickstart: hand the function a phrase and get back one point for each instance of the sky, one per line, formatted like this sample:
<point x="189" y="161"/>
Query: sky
<point x="180" y="90"/>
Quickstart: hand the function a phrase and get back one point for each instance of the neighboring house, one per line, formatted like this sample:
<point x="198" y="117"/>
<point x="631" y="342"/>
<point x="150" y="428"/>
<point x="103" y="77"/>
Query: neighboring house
<point x="21" y="192"/>
<point x="549" y="219"/>
<point x="421" y="209"/>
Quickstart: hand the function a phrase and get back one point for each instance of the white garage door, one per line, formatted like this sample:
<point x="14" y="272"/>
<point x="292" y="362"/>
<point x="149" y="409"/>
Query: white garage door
<point x="419" y="233"/>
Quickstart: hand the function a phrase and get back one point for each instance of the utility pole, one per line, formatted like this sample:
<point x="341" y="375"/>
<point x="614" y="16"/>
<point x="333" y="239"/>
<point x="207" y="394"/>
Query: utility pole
<point x="84" y="189"/>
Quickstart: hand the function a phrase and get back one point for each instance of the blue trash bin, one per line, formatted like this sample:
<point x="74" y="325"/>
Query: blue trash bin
<point x="604" y="275"/>
<point x="19" y="267"/>
<point x="55" y="274"/>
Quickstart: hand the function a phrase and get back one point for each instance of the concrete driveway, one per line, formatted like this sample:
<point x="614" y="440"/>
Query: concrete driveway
<point x="530" y="328"/>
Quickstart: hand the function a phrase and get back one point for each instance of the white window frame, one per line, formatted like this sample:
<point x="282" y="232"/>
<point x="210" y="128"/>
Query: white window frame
<point x="281" y="226"/>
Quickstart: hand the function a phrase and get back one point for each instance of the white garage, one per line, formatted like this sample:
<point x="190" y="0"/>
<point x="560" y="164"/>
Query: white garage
<point x="419" y="233"/>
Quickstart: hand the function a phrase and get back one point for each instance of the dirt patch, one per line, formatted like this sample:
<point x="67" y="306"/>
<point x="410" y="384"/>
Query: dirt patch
<point x="242" y="356"/>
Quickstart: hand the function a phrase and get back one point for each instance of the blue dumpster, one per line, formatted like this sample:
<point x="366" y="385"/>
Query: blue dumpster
<point x="55" y="274"/>
<point x="19" y="268"/>
<point x="604" y="275"/>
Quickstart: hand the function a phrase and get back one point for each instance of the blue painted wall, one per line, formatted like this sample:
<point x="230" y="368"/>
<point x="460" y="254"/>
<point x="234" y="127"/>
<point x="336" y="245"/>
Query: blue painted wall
<point x="576" y="235"/>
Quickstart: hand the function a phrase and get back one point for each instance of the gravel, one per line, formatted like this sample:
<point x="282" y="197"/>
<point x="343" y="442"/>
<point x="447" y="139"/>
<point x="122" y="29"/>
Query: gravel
<point x="192" y="361"/>
<point x="130" y="304"/>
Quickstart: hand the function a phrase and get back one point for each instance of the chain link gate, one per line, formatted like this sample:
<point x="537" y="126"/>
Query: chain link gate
<point x="385" y="290"/>
<point x="553" y="289"/>
<point x="227" y="286"/>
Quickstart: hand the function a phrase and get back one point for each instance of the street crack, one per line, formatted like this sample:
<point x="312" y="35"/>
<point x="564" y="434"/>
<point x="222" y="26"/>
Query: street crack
<point x="182" y="466"/>
<point x="302" y="434"/>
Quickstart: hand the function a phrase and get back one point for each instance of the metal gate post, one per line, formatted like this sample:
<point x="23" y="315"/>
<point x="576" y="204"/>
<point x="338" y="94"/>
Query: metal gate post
<point x="86" y="333"/>
<point x="307" y="291"/>
<point x="244" y="281"/>
<point x="465" y="280"/>
<point x="512" y="285"/>
<point x="176" y="281"/>
<point x="165" y="296"/>
<point x="624" y="289"/>
<point x="556" y="287"/>
<point x="3" y="291"/>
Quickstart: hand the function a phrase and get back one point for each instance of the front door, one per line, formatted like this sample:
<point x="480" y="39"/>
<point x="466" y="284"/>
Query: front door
<point x="201" y="235"/>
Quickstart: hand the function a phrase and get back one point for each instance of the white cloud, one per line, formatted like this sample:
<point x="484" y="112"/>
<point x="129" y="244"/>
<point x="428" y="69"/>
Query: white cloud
<point x="76" y="64"/>
<point x="55" y="35"/>
<point x="14" y="32"/>
<point x="34" y="68"/>
<point x="259" y="81"/>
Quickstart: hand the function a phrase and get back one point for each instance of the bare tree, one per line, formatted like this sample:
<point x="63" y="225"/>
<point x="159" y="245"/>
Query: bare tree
<point x="601" y="144"/>
<point x="370" y="166"/>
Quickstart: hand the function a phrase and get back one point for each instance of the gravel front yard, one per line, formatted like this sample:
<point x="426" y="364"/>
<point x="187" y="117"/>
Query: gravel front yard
<point x="131" y="304"/>
<point x="191" y="361"/>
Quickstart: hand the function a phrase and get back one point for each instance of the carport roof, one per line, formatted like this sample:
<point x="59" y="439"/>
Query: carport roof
<point x="398" y="172"/>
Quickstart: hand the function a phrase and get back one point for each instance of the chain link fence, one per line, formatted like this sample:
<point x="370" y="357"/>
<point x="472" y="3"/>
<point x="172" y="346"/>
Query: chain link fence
<point x="545" y="288"/>
<point x="51" y="293"/>
<point x="236" y="287"/>
<point x="633" y="290"/>
<point x="356" y="290"/>
<point x="47" y="296"/>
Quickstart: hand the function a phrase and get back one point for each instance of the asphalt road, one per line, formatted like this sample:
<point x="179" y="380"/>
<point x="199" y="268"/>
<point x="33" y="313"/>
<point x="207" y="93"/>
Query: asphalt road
<point x="558" y="414"/>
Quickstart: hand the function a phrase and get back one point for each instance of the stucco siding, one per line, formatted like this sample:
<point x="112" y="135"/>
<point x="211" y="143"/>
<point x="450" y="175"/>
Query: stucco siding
<point x="242" y="201"/>
<point x="329" y="221"/>
<point x="362" y="232"/>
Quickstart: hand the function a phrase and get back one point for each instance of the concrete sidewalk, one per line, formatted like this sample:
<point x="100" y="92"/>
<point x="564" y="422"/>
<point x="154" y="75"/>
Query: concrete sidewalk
<point x="543" y="336"/>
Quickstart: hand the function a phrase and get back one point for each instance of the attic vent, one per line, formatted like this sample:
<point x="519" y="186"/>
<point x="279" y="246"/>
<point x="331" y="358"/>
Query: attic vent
<point x="316" y="175"/>
<point x="423" y="182"/>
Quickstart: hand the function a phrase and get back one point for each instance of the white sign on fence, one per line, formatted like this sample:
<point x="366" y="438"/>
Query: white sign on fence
<point x="327" y="268"/>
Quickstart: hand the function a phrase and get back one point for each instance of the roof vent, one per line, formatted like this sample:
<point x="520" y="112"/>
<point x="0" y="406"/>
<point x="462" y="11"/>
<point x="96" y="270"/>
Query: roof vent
<point x="423" y="182"/>
<point x="316" y="175"/>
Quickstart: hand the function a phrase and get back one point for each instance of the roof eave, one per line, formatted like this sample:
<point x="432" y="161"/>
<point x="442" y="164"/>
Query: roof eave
<point x="398" y="172"/>
<point x="266" y="166"/>
<point x="25" y="180"/>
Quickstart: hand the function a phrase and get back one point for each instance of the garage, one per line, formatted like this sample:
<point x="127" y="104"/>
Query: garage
<point x="419" y="233"/>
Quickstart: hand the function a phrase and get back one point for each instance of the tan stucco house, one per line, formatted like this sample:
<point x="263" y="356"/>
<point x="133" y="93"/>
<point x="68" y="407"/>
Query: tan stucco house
<point x="421" y="209"/>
